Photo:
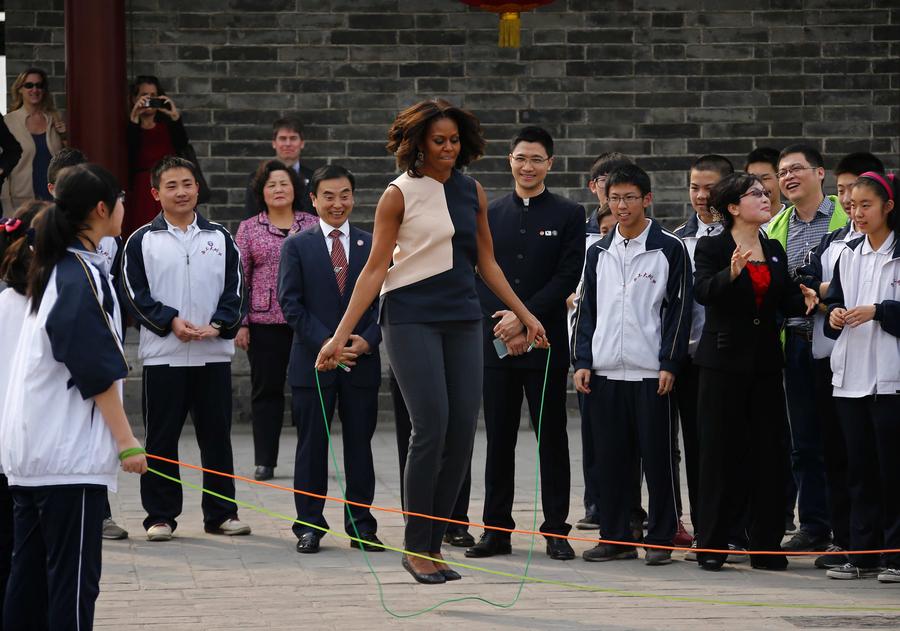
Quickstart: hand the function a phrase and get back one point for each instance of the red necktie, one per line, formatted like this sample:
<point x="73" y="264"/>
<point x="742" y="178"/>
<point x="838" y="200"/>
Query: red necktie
<point x="338" y="260"/>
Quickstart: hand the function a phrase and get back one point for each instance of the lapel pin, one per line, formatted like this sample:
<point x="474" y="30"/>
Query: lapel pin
<point x="359" y="242"/>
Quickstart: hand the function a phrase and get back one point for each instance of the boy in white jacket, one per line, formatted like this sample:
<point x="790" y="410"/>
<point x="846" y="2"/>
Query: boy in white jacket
<point x="181" y="281"/>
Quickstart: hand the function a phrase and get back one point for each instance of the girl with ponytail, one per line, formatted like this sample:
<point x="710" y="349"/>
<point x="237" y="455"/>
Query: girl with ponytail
<point x="864" y="317"/>
<point x="15" y="256"/>
<point x="63" y="428"/>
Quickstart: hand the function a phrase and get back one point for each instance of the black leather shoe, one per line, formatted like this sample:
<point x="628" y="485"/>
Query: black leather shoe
<point x="559" y="549"/>
<point x="263" y="473"/>
<point x="490" y="544"/>
<point x="710" y="562"/>
<point x="434" y="578"/>
<point x="459" y="538"/>
<point x="773" y="563"/>
<point x="308" y="543"/>
<point x="368" y="547"/>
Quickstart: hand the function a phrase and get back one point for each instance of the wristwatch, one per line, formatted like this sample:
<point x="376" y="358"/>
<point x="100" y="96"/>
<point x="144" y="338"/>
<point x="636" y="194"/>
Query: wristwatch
<point x="217" y="325"/>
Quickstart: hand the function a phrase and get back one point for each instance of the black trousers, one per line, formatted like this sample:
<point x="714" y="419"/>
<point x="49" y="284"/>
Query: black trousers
<point x="170" y="392"/>
<point x="269" y="352"/>
<point x="358" y="411"/>
<point x="686" y="386"/>
<point x="55" y="578"/>
<point x="872" y="430"/>
<point x="743" y="450"/>
<point x="631" y="420"/>
<point x="835" y="455"/>
<point x="403" y="429"/>
<point x="503" y="392"/>
<point x="6" y="538"/>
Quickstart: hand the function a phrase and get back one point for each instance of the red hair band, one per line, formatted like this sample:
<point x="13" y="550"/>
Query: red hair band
<point x="883" y="180"/>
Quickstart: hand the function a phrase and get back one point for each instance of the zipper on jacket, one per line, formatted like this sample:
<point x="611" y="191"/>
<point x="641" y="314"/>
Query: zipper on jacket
<point x="622" y="319"/>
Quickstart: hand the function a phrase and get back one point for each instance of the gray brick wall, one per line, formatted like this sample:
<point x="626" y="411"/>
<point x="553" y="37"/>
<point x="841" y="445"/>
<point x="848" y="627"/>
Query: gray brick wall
<point x="662" y="80"/>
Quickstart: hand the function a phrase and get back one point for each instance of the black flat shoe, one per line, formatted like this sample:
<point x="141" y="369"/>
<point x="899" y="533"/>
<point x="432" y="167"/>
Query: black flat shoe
<point x="263" y="473"/>
<point x="459" y="538"/>
<point x="369" y="538"/>
<point x="450" y="575"/>
<point x="434" y="578"/>
<point x="308" y="543"/>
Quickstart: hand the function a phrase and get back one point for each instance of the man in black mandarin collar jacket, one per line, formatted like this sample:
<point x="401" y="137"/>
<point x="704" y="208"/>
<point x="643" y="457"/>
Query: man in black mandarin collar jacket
<point x="539" y="244"/>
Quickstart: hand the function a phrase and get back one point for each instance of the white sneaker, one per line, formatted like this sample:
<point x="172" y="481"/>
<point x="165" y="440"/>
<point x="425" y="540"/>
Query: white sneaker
<point x="159" y="532"/>
<point x="737" y="554"/>
<point x="230" y="527"/>
<point x="692" y="555"/>
<point x="889" y="575"/>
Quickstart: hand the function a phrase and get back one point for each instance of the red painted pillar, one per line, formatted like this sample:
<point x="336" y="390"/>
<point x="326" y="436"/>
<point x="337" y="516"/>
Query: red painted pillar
<point x="96" y="82"/>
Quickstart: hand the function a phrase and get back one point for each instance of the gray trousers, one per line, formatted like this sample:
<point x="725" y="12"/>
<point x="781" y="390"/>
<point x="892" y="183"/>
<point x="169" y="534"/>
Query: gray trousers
<point x="438" y="366"/>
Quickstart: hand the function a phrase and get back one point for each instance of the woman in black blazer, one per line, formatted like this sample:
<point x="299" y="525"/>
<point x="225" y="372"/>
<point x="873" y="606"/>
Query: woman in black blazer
<point x="742" y="279"/>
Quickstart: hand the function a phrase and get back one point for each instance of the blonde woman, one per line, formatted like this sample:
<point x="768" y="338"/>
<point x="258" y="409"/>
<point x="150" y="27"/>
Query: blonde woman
<point x="41" y="132"/>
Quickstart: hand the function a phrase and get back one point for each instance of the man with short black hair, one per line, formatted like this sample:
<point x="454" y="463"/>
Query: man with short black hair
<point x="850" y="167"/>
<point x="706" y="171"/>
<point x="763" y="163"/>
<point x="539" y="244"/>
<point x="182" y="281"/>
<point x="288" y="143"/>
<point x="631" y="335"/>
<point x="316" y="276"/>
<point x="799" y="228"/>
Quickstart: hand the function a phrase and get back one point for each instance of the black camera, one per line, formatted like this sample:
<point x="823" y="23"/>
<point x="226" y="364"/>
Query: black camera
<point x="158" y="103"/>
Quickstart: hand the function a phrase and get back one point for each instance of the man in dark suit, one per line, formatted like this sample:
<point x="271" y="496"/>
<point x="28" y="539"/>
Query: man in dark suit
<point x="318" y="270"/>
<point x="288" y="143"/>
<point x="539" y="245"/>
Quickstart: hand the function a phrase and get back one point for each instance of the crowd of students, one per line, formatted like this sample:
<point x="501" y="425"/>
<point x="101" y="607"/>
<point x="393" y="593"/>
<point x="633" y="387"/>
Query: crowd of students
<point x="767" y="335"/>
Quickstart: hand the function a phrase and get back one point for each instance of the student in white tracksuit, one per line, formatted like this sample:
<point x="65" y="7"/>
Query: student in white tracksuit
<point x="631" y="335"/>
<point x="63" y="428"/>
<point x="864" y="317"/>
<point x="15" y="255"/>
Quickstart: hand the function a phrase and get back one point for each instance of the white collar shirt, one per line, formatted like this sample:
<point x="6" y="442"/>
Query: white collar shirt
<point x="861" y="380"/>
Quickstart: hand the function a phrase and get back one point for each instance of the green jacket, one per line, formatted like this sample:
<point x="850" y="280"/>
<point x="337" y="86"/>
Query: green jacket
<point x="778" y="227"/>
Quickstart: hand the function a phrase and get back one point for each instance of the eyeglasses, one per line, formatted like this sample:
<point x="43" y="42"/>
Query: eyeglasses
<point x="756" y="192"/>
<point x="793" y="170"/>
<point x="536" y="160"/>
<point x="28" y="85"/>
<point x="615" y="200"/>
<point x="599" y="180"/>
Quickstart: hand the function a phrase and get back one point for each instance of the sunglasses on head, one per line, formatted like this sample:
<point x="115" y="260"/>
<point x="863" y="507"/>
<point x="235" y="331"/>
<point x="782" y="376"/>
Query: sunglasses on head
<point x="28" y="85"/>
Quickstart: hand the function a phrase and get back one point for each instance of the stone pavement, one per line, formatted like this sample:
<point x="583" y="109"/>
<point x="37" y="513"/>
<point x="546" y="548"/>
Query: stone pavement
<point x="204" y="582"/>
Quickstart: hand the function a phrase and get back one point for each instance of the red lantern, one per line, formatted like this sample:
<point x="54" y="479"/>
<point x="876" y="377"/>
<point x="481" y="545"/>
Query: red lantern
<point x="509" y="11"/>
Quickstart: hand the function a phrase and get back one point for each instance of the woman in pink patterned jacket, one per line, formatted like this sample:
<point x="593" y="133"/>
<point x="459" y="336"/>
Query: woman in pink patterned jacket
<point x="264" y="334"/>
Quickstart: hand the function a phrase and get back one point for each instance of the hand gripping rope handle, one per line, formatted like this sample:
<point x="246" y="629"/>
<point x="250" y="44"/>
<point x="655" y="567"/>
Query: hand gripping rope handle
<point x="522" y="578"/>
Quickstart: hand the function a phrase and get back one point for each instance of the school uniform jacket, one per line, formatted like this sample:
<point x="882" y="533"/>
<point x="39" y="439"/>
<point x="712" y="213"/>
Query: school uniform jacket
<point x="198" y="279"/>
<point x="818" y="269"/>
<point x="737" y="337"/>
<point x="687" y="232"/>
<point x="628" y="329"/>
<point x="51" y="431"/>
<point x="843" y="291"/>
<point x="313" y="306"/>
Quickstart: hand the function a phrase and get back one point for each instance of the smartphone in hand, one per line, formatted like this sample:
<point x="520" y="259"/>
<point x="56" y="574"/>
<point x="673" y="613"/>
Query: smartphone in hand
<point x="500" y="347"/>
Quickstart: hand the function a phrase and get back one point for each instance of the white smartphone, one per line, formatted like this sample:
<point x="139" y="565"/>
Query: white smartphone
<point x="500" y="347"/>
